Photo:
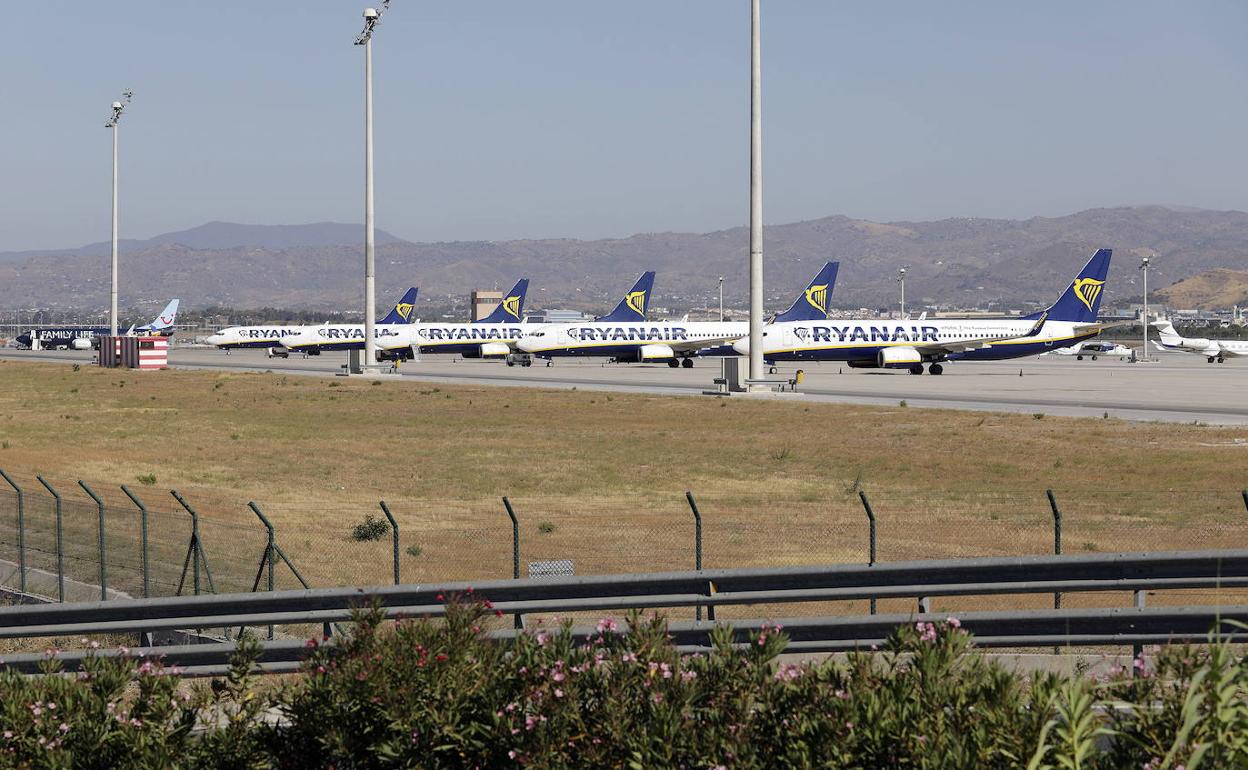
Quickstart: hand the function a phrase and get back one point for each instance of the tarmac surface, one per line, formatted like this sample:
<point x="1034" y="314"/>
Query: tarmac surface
<point x="1174" y="388"/>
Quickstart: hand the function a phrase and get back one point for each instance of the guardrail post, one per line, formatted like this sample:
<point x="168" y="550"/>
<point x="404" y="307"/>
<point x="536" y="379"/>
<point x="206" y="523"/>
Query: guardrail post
<point x="925" y="605"/>
<point x="142" y="539"/>
<point x="1057" y="539"/>
<point x="60" y="541"/>
<point x="21" y="530"/>
<point x="515" y="551"/>
<point x="99" y="506"/>
<point x="866" y="506"/>
<point x="697" y="552"/>
<point x="394" y="535"/>
<point x="1137" y="650"/>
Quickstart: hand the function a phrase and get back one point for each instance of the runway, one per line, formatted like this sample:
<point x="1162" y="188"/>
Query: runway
<point x="1176" y="388"/>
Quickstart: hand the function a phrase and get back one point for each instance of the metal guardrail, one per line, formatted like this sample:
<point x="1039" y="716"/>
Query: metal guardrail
<point x="921" y="580"/>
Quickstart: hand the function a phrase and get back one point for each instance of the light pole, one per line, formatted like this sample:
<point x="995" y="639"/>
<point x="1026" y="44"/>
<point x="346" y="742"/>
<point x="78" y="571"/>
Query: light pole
<point x="756" y="193"/>
<point x="371" y="18"/>
<point x="721" y="299"/>
<point x="901" y="279"/>
<point x="1144" y="269"/>
<point x="112" y="123"/>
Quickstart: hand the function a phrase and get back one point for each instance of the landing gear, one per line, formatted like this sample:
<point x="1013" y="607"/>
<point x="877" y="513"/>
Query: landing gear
<point x="1079" y="358"/>
<point x="1211" y="359"/>
<point x="673" y="363"/>
<point x="1221" y="360"/>
<point x="916" y="368"/>
<point x="771" y="370"/>
<point x="935" y="369"/>
<point x="1093" y="358"/>
<point x="687" y="363"/>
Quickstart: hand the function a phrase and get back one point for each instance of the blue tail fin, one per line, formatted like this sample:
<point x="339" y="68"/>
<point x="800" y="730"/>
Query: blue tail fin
<point x="163" y="321"/>
<point x="511" y="309"/>
<point x="1081" y="301"/>
<point x="402" y="312"/>
<point x="635" y="303"/>
<point x="812" y="303"/>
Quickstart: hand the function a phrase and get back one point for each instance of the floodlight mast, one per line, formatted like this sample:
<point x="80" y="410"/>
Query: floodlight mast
<point x="756" y="195"/>
<point x="112" y="123"/>
<point x="372" y="17"/>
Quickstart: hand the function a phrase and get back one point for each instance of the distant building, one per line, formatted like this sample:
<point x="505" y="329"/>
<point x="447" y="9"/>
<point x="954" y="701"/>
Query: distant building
<point x="484" y="301"/>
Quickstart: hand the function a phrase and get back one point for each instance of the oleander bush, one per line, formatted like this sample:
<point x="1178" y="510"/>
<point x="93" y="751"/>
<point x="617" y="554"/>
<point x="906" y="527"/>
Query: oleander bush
<point x="440" y="694"/>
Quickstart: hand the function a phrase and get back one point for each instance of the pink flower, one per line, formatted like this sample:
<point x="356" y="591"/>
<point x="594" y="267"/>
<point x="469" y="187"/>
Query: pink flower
<point x="558" y="676"/>
<point x="686" y="676"/>
<point x="953" y="622"/>
<point x="558" y="693"/>
<point x="607" y="624"/>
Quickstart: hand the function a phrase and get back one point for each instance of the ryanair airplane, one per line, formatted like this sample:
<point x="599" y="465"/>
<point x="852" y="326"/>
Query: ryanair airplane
<point x="494" y="336"/>
<point x="272" y="335"/>
<point x="625" y="336"/>
<point x="911" y="344"/>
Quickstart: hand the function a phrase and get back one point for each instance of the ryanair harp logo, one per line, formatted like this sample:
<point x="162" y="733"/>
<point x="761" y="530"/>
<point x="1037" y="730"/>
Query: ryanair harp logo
<point x="637" y="301"/>
<point x="404" y="309"/>
<point x="511" y="306"/>
<point x="1087" y="290"/>
<point x="817" y="296"/>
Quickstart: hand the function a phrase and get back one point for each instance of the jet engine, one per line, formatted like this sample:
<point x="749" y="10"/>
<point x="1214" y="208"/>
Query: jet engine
<point x="80" y="343"/>
<point x="901" y="357"/>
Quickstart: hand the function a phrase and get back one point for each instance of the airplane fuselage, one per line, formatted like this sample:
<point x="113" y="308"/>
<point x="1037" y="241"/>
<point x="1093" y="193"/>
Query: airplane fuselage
<point x="863" y="340"/>
<point x="630" y="340"/>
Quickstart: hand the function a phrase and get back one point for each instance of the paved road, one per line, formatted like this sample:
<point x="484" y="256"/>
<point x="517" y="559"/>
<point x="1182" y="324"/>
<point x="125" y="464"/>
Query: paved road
<point x="1177" y="388"/>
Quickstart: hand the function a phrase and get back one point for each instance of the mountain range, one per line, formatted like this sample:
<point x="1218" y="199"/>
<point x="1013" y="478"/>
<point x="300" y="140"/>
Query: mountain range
<point x="959" y="261"/>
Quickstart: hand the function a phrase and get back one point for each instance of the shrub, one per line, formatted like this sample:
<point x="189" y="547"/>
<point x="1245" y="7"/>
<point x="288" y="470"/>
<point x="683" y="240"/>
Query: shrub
<point x="546" y="527"/>
<point x="372" y="528"/>
<point x="147" y="479"/>
<point x="413" y="551"/>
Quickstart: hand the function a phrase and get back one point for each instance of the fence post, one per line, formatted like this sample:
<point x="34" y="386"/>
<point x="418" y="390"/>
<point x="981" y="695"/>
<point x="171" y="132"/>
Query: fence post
<point x="60" y="541"/>
<point x="21" y="530"/>
<point x="866" y="506"/>
<point x="697" y="550"/>
<point x="195" y="553"/>
<point x="267" y="558"/>
<point x="142" y="537"/>
<point x="1057" y="539"/>
<point x="394" y="532"/>
<point x="99" y="506"/>
<point x="1244" y="494"/>
<point x="515" y="551"/>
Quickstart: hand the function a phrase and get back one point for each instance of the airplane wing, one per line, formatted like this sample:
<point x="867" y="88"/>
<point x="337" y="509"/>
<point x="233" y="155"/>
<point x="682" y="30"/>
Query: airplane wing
<point x="1225" y="350"/>
<point x="693" y="346"/>
<point x="1096" y="327"/>
<point x="977" y="343"/>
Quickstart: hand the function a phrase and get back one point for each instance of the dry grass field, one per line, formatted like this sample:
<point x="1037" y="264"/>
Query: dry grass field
<point x="600" y="477"/>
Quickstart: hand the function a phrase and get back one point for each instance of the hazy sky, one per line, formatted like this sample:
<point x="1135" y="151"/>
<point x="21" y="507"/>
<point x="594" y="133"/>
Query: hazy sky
<point x="500" y="119"/>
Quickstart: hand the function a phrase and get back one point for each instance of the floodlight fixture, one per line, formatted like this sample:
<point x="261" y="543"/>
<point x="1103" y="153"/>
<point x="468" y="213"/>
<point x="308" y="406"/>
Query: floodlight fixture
<point x="372" y="17"/>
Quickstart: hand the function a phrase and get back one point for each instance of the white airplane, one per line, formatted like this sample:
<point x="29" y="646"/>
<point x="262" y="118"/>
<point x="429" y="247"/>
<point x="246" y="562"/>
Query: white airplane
<point x="1093" y="349"/>
<point x="911" y="344"/>
<point x="625" y="336"/>
<point x="271" y="335"/>
<point x="1212" y="350"/>
<point x="494" y="336"/>
<point x="88" y="337"/>
<point x="484" y="338"/>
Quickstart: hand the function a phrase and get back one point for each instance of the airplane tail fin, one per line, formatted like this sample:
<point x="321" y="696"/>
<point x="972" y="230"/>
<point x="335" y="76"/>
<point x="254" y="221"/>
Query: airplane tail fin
<point x="402" y="312"/>
<point x="1165" y="330"/>
<point x="511" y="309"/>
<point x="812" y="303"/>
<point x="1081" y="301"/>
<point x="163" y="321"/>
<point x="635" y="303"/>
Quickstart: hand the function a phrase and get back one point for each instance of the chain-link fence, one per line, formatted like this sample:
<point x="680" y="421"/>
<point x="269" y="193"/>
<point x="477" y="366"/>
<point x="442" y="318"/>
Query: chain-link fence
<point x="58" y="542"/>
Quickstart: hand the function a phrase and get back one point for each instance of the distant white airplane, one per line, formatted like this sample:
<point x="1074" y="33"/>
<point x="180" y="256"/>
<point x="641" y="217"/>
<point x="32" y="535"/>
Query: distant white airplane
<point x="1213" y="350"/>
<point x="1093" y="349"/>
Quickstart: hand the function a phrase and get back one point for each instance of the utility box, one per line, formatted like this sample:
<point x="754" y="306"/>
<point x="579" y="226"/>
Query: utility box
<point x="732" y="375"/>
<point x="142" y="353"/>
